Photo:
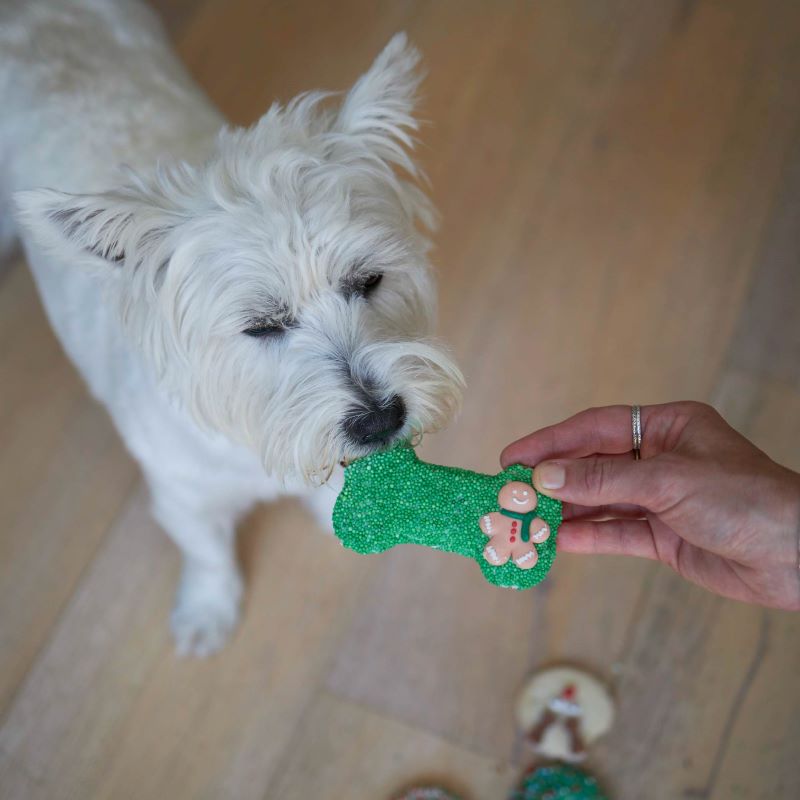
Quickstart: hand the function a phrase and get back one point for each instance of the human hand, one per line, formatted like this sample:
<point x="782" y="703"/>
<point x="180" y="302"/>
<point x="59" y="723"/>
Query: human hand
<point x="703" y="499"/>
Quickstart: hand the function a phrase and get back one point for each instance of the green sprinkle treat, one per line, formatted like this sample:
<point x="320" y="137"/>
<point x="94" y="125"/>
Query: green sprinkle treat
<point x="392" y="498"/>
<point x="558" y="782"/>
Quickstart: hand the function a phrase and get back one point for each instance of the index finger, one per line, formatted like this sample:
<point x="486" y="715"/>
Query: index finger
<point x="596" y="430"/>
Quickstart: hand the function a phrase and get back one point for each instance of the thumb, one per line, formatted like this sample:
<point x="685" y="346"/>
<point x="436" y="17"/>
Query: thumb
<point x="600" y="480"/>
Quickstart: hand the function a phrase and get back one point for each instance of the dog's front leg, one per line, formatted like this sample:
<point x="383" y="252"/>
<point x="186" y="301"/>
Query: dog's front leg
<point x="320" y="501"/>
<point x="209" y="594"/>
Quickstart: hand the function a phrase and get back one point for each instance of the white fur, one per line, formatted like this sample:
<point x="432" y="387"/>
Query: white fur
<point x="150" y="272"/>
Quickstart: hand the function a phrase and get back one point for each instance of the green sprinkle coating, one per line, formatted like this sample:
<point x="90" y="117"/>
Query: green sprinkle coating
<point x="392" y="498"/>
<point x="558" y="782"/>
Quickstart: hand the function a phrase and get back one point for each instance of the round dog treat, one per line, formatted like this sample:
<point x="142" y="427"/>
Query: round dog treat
<point x="500" y="521"/>
<point x="557" y="782"/>
<point x="562" y="710"/>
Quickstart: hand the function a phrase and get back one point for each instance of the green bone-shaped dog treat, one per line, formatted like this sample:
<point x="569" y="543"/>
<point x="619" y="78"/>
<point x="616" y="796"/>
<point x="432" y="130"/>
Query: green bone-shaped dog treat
<point x="392" y="498"/>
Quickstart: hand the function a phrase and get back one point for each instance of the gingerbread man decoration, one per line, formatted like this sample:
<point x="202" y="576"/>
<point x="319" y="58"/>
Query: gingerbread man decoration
<point x="514" y="529"/>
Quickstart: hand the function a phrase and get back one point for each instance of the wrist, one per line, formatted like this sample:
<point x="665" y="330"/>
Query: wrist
<point x="790" y="528"/>
<point x="792" y="519"/>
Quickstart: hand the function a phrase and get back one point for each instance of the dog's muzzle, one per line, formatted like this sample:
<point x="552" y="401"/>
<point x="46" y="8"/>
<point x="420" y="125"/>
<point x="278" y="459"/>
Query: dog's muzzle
<point x="377" y="425"/>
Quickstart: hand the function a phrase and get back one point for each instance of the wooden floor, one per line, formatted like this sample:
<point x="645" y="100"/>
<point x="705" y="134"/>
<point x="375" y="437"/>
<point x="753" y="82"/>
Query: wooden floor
<point x="620" y="189"/>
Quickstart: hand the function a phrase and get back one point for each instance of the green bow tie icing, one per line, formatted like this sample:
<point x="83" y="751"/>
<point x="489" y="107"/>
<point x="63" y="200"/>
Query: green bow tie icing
<point x="525" y="519"/>
<point x="392" y="498"/>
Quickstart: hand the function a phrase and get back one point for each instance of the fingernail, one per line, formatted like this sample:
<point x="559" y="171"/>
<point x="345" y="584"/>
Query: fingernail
<point x="550" y="475"/>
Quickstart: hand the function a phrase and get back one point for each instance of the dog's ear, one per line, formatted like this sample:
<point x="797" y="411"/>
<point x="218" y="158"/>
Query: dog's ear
<point x="378" y="110"/>
<point x="117" y="227"/>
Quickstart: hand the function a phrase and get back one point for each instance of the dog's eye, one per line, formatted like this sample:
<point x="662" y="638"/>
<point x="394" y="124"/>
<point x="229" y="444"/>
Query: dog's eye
<point x="361" y="284"/>
<point x="265" y="329"/>
<point x="371" y="282"/>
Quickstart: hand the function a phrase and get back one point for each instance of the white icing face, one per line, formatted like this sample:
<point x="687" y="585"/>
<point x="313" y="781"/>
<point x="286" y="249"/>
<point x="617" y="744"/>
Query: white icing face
<point x="517" y="496"/>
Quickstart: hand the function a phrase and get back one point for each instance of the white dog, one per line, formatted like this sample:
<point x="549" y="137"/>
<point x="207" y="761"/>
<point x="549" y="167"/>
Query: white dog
<point x="252" y="305"/>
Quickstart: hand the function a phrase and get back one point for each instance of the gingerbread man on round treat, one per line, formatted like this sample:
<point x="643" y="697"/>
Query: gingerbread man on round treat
<point x="515" y="528"/>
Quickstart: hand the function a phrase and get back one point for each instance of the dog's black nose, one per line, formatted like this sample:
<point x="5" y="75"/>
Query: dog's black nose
<point x="375" y="425"/>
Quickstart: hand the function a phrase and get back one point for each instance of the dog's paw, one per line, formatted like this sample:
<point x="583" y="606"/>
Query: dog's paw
<point x="206" y="610"/>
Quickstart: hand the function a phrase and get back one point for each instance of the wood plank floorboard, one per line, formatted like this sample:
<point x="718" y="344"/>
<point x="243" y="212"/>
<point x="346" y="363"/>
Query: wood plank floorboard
<point x="618" y="184"/>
